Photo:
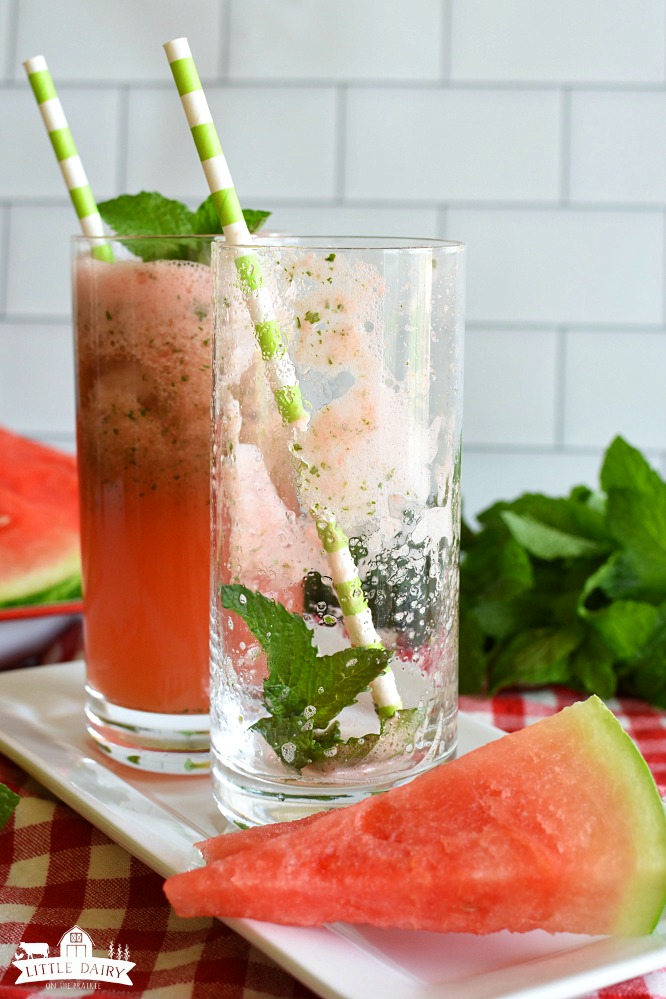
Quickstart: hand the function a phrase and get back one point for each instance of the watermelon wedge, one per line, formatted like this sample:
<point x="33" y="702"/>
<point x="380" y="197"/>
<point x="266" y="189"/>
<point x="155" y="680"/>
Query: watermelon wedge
<point x="39" y="523"/>
<point x="557" y="827"/>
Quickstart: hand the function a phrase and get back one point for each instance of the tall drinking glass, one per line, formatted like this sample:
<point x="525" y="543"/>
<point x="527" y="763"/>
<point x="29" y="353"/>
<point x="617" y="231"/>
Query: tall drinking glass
<point x="335" y="545"/>
<point x="143" y="334"/>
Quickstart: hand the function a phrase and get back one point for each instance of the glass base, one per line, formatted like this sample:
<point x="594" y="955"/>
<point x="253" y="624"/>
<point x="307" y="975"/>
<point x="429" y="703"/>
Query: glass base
<point x="149" y="740"/>
<point x="252" y="801"/>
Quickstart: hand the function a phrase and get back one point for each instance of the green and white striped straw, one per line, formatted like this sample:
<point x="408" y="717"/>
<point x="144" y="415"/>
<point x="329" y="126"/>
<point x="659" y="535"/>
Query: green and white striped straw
<point x="355" y="611"/>
<point x="66" y="153"/>
<point x="284" y="384"/>
<point x="281" y="372"/>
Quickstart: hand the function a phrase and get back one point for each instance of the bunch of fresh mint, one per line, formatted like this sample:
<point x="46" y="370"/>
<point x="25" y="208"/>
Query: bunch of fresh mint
<point x="570" y="590"/>
<point x="151" y="214"/>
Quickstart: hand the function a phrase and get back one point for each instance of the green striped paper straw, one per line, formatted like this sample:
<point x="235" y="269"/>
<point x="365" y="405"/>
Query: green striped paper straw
<point x="282" y="375"/>
<point x="355" y="611"/>
<point x="344" y="575"/>
<point x="66" y="153"/>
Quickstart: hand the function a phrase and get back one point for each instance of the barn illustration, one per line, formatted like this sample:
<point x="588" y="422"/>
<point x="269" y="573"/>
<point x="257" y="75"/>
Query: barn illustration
<point x="75" y="943"/>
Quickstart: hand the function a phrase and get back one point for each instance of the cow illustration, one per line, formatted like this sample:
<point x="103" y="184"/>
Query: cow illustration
<point x="35" y="949"/>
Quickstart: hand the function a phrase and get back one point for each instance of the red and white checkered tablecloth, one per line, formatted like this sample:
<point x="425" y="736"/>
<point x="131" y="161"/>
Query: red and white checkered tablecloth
<point x="58" y="871"/>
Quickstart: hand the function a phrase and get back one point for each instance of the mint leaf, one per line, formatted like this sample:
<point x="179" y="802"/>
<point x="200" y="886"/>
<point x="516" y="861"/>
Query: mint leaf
<point x="284" y="637"/>
<point x="8" y="802"/>
<point x="147" y="214"/>
<point x="304" y="692"/>
<point x="207" y="221"/>
<point x="395" y="733"/>
<point x="637" y="521"/>
<point x="548" y="542"/>
<point x="624" y="625"/>
<point x="296" y="746"/>
<point x="581" y="513"/>
<point x="536" y="657"/>
<point x="336" y="680"/>
<point x="496" y="566"/>
<point x="255" y="219"/>
<point x="151" y="214"/>
<point x="591" y="667"/>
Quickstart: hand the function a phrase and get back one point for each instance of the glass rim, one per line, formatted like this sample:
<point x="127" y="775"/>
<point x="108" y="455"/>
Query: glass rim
<point x="273" y="239"/>
<point x="119" y="237"/>
<point x="346" y="242"/>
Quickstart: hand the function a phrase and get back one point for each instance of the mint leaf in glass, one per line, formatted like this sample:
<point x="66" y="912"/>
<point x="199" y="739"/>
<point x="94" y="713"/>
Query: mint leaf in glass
<point x="304" y="691"/>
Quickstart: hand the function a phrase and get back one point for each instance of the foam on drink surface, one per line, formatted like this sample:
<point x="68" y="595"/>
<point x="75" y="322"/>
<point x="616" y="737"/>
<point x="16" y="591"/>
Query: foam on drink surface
<point x="144" y="343"/>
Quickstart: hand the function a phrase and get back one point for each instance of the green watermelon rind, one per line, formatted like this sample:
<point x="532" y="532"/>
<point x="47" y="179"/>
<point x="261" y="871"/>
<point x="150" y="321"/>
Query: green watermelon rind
<point x="53" y="583"/>
<point x="645" y="899"/>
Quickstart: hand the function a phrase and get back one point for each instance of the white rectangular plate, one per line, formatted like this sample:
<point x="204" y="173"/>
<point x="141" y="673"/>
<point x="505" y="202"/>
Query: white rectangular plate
<point x="159" y="818"/>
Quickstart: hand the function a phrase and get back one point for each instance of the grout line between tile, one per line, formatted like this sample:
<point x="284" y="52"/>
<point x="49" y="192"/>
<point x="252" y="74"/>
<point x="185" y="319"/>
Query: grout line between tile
<point x="123" y="140"/>
<point x="340" y="144"/>
<point x="565" y="147"/>
<point x="663" y="267"/>
<point x="11" y="42"/>
<point x="224" y="66"/>
<point x="4" y="258"/>
<point x="446" y="42"/>
<point x="559" y="426"/>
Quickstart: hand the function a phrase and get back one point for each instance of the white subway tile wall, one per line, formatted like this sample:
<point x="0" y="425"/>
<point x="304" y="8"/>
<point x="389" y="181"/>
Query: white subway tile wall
<point x="534" y="131"/>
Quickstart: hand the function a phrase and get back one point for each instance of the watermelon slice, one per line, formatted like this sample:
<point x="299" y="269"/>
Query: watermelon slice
<point x="557" y="827"/>
<point x="39" y="523"/>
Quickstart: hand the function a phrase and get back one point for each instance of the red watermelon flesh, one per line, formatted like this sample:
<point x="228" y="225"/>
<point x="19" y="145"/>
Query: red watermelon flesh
<point x="557" y="827"/>
<point x="222" y="846"/>
<point x="39" y="522"/>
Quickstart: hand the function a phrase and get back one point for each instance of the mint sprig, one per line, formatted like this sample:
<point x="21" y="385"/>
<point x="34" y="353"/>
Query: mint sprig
<point x="149" y="213"/>
<point x="304" y="692"/>
<point x="570" y="590"/>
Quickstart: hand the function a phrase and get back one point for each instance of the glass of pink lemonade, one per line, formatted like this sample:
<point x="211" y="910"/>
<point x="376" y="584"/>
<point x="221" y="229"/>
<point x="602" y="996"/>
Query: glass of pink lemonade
<point x="336" y="519"/>
<point x="143" y="334"/>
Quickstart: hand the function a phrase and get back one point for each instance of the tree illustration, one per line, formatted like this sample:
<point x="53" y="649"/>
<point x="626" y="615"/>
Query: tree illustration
<point x="127" y="952"/>
<point x="111" y="950"/>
